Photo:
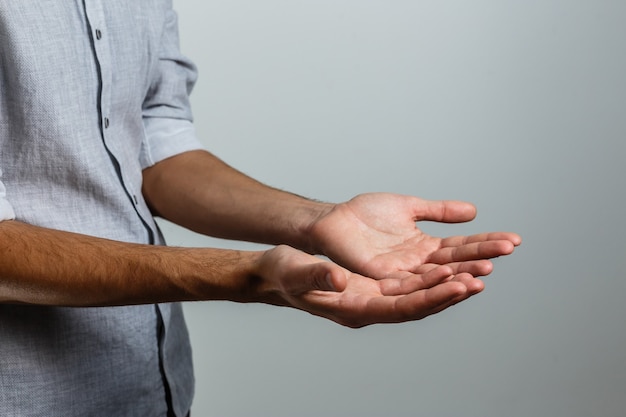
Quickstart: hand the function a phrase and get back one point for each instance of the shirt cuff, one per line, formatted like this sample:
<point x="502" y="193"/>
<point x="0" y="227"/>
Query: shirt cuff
<point x="165" y="138"/>
<point x="6" y="211"/>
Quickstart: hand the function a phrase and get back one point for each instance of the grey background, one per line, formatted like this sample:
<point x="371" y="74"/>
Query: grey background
<point x="517" y="106"/>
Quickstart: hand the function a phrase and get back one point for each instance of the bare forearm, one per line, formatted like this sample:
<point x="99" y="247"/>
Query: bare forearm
<point x="200" y="192"/>
<point x="42" y="266"/>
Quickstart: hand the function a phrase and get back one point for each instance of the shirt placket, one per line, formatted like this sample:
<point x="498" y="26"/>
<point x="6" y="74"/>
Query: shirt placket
<point x="102" y="49"/>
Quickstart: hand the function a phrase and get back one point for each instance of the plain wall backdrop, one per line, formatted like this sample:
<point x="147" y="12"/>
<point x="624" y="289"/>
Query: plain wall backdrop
<point x="516" y="106"/>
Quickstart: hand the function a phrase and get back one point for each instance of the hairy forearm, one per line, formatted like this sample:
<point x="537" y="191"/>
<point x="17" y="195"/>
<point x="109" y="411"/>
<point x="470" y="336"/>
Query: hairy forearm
<point x="43" y="266"/>
<point x="198" y="191"/>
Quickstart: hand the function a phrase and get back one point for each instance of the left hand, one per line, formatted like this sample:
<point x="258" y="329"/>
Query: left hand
<point x="376" y="235"/>
<point x="289" y="277"/>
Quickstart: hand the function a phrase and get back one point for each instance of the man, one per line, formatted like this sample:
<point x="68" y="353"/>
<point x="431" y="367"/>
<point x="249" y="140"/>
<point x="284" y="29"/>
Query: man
<point x="95" y="139"/>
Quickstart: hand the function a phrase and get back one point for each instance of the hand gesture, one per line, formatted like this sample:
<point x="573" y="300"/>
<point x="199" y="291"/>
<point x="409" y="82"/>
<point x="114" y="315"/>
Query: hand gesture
<point x="293" y="278"/>
<point x="376" y="235"/>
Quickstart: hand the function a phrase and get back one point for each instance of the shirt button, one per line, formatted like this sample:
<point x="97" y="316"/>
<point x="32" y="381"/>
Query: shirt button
<point x="98" y="34"/>
<point x="106" y="122"/>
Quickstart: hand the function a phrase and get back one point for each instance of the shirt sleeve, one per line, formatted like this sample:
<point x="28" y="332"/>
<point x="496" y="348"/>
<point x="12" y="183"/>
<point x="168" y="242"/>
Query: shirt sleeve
<point x="167" y="113"/>
<point x="6" y="211"/>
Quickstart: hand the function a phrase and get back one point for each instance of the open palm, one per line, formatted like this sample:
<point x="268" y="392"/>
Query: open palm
<point x="376" y="235"/>
<point x="293" y="278"/>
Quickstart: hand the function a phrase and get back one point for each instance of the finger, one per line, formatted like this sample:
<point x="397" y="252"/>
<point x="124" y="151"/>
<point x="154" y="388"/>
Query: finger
<point x="364" y="310"/>
<point x="447" y="211"/>
<point x="472" y="251"/>
<point x="514" y="238"/>
<point x="423" y="303"/>
<point x="324" y="276"/>
<point x="336" y="280"/>
<point x="436" y="299"/>
<point x="477" y="268"/>
<point x="473" y="285"/>
<point x="397" y="309"/>
<point x="443" y="306"/>
<point x="407" y="283"/>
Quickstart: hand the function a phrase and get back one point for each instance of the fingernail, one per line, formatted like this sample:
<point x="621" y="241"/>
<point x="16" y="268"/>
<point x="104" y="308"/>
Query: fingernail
<point x="329" y="280"/>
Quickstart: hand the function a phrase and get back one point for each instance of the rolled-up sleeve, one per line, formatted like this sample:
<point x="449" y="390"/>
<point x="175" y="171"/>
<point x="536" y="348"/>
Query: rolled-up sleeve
<point x="167" y="113"/>
<point x="6" y="211"/>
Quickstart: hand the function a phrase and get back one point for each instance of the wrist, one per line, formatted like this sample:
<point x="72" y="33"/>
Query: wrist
<point x="312" y="244"/>
<point x="219" y="274"/>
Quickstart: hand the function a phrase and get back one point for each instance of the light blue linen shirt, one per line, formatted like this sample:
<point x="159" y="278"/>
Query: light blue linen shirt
<point x="91" y="93"/>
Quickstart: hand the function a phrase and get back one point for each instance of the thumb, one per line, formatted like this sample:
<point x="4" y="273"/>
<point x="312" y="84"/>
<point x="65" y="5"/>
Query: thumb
<point x="323" y="276"/>
<point x="447" y="211"/>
